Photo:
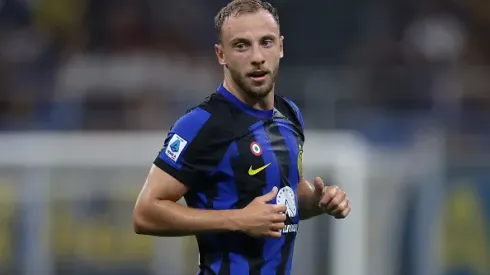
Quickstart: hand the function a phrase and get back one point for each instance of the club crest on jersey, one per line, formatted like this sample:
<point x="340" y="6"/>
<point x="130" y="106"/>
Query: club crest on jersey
<point x="256" y="149"/>
<point x="286" y="197"/>
<point x="175" y="147"/>
<point x="300" y="161"/>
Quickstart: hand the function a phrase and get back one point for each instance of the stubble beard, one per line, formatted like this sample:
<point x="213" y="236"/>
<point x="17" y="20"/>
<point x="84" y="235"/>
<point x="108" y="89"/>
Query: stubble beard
<point x="254" y="92"/>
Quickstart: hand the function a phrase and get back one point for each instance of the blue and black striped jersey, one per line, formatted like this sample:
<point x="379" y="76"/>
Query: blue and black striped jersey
<point x="229" y="153"/>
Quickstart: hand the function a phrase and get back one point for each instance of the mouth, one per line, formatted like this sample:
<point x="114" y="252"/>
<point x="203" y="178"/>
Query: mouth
<point x="258" y="75"/>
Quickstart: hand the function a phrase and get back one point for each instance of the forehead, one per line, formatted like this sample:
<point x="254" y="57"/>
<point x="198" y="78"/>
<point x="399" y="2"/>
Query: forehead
<point x="250" y="25"/>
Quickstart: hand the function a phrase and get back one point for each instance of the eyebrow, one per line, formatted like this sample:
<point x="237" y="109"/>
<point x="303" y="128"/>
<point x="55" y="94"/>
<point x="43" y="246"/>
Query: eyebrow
<point x="269" y="36"/>
<point x="246" y="40"/>
<point x="239" y="40"/>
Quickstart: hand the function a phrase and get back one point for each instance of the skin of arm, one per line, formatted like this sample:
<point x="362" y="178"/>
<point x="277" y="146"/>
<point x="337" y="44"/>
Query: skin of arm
<point x="308" y="201"/>
<point x="157" y="212"/>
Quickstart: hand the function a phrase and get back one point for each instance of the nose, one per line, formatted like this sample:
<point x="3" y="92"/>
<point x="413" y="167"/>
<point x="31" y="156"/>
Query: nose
<point x="257" y="56"/>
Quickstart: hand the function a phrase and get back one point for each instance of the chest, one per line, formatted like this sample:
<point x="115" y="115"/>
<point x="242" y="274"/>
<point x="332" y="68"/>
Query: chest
<point x="269" y="154"/>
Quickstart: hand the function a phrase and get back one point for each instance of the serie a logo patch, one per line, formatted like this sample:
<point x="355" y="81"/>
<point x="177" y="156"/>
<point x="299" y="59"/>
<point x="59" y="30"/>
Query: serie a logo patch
<point x="175" y="147"/>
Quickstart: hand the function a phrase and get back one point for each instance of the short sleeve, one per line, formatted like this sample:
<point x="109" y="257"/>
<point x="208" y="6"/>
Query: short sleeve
<point x="190" y="153"/>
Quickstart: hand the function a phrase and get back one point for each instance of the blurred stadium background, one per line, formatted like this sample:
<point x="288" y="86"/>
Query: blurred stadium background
<point x="395" y="96"/>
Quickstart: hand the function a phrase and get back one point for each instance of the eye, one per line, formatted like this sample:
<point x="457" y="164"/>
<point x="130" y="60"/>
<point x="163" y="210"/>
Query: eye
<point x="267" y="43"/>
<point x="240" y="46"/>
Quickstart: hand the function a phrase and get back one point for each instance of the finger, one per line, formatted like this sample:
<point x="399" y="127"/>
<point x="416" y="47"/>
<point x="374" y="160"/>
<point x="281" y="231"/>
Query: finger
<point x="336" y="201"/>
<point x="344" y="213"/>
<point x="277" y="226"/>
<point x="274" y="234"/>
<point x="269" y="196"/>
<point x="341" y="207"/>
<point x="279" y="208"/>
<point x="329" y="193"/>
<point x="279" y="218"/>
<point x="319" y="185"/>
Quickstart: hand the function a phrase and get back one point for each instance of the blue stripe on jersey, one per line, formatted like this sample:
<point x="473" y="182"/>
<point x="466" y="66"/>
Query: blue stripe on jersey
<point x="187" y="128"/>
<point x="216" y="265"/>
<point x="292" y="144"/>
<point x="287" y="131"/>
<point x="297" y="111"/>
<point x="226" y="188"/>
<point x="201" y="201"/>
<point x="239" y="265"/>
<point x="225" y="199"/>
<point x="272" y="247"/>
<point x="228" y="194"/>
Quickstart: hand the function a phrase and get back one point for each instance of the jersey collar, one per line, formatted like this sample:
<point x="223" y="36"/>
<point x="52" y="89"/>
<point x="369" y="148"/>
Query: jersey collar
<point x="242" y="105"/>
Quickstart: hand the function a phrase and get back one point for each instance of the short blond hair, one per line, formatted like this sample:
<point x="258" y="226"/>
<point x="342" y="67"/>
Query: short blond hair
<point x="238" y="7"/>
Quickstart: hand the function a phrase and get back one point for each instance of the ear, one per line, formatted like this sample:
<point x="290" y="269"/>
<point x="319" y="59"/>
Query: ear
<point x="281" y="45"/>
<point x="218" y="48"/>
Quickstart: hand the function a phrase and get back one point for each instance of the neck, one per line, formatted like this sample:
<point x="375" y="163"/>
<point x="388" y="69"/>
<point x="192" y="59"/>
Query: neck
<point x="265" y="103"/>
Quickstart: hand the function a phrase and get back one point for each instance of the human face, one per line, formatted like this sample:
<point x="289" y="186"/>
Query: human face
<point x="250" y="50"/>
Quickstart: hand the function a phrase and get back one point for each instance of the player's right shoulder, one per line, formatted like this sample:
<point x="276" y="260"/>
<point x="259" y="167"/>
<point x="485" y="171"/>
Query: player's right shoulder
<point x="202" y="128"/>
<point x="209" y="113"/>
<point x="195" y="144"/>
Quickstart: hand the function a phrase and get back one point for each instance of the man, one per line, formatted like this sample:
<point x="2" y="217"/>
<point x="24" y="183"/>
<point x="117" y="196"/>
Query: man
<point x="237" y="160"/>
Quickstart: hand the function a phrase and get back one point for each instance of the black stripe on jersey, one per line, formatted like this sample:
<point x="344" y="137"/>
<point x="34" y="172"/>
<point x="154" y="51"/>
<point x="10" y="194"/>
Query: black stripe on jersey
<point x="202" y="156"/>
<point x="211" y="193"/>
<point x="206" y="151"/>
<point x="282" y="155"/>
<point x="249" y="188"/>
<point x="285" y="251"/>
<point x="225" y="265"/>
<point x="206" y="262"/>
<point x="281" y="150"/>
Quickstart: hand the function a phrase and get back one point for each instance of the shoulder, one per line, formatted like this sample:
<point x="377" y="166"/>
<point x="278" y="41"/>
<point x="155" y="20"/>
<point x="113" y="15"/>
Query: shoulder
<point x="289" y="109"/>
<point x="195" y="144"/>
<point x="203" y="121"/>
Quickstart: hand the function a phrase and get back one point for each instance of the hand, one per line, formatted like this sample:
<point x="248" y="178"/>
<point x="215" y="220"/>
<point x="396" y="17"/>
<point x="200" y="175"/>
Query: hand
<point x="332" y="200"/>
<point x="260" y="219"/>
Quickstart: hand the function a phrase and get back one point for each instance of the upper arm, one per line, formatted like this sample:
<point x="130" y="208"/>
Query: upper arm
<point x="159" y="185"/>
<point x="304" y="188"/>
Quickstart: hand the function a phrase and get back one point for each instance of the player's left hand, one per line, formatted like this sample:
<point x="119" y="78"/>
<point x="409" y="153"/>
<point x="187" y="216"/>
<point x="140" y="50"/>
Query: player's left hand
<point x="332" y="200"/>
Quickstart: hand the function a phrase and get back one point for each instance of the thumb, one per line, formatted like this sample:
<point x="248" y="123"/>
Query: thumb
<point x="269" y="196"/>
<point x="319" y="185"/>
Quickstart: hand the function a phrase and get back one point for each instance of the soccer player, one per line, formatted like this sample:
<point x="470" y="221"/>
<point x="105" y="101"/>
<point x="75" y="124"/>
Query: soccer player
<point x="237" y="160"/>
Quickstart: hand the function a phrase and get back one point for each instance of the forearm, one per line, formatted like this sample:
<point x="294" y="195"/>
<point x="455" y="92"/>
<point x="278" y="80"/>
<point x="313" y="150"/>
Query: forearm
<point x="167" y="218"/>
<point x="308" y="203"/>
<point x="308" y="208"/>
